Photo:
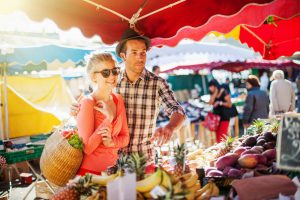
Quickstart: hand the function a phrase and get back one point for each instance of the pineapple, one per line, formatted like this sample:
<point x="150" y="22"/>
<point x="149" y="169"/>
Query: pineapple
<point x="69" y="193"/>
<point x="73" y="191"/>
<point x="259" y="126"/>
<point x="226" y="148"/>
<point x="137" y="163"/>
<point x="180" y="156"/>
<point x="275" y="127"/>
<point x="120" y="166"/>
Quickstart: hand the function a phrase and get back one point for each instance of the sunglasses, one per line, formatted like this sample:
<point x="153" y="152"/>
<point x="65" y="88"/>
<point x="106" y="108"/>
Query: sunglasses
<point x="106" y="72"/>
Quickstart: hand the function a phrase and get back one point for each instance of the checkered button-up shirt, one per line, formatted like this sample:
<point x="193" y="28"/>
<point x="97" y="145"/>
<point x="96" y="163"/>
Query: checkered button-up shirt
<point x="143" y="100"/>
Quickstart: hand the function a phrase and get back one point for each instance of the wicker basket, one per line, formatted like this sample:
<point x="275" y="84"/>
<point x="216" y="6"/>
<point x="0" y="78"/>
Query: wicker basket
<point x="60" y="161"/>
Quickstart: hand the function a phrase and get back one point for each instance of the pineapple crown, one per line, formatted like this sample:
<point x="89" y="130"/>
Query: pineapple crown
<point x="85" y="186"/>
<point x="228" y="141"/>
<point x="259" y="125"/>
<point x="137" y="163"/>
<point x="122" y="161"/>
<point x="180" y="153"/>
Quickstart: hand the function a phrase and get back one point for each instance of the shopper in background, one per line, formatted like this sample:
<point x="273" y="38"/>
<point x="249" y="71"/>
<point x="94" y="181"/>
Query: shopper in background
<point x="226" y="85"/>
<point x="282" y="94"/>
<point x="156" y="70"/>
<point x="257" y="102"/>
<point x="220" y="99"/>
<point x="264" y="82"/>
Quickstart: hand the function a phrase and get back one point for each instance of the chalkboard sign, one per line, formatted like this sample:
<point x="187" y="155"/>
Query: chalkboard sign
<point x="288" y="143"/>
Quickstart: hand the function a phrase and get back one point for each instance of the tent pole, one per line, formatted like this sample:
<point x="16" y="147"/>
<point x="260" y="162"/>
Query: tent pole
<point x="1" y="104"/>
<point x="5" y="102"/>
<point x="107" y="9"/>
<point x="204" y="84"/>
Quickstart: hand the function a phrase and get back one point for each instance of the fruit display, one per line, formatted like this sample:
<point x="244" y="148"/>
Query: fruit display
<point x="253" y="153"/>
<point x="89" y="187"/>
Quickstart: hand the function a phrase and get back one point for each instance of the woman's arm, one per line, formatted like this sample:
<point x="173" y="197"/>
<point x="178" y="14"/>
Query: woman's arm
<point x="122" y="139"/>
<point x="85" y="125"/>
<point x="248" y="108"/>
<point x="213" y="98"/>
<point x="227" y="102"/>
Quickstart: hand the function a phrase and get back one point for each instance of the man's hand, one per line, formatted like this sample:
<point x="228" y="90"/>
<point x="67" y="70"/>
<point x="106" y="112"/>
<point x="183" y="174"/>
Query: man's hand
<point x="75" y="107"/>
<point x="163" y="135"/>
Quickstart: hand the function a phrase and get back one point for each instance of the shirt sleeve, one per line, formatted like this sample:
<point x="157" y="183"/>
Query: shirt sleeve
<point x="293" y="103"/>
<point x="248" y="108"/>
<point x="168" y="99"/>
<point x="273" y="98"/>
<point x="85" y="125"/>
<point x="122" y="139"/>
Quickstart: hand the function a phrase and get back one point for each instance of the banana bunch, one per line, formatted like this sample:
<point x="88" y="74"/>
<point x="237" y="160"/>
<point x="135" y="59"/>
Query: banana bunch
<point x="208" y="191"/>
<point x="103" y="180"/>
<point x="147" y="184"/>
<point x="190" y="184"/>
<point x="185" y="187"/>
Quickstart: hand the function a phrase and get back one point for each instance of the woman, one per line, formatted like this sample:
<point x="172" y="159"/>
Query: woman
<point x="257" y="102"/>
<point x="220" y="99"/>
<point x="101" y="120"/>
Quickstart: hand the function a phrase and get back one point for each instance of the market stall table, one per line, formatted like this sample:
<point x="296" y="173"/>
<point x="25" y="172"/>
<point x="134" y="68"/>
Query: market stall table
<point x="14" y="157"/>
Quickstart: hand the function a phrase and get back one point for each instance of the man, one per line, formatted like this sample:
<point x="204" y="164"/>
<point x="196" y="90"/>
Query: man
<point x="226" y="85"/>
<point x="156" y="70"/>
<point x="282" y="94"/>
<point x="143" y="95"/>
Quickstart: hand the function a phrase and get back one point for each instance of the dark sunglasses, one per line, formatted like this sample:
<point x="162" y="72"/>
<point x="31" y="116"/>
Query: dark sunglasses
<point x="106" y="72"/>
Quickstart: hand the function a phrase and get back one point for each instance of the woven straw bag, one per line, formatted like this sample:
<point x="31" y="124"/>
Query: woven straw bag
<point x="60" y="161"/>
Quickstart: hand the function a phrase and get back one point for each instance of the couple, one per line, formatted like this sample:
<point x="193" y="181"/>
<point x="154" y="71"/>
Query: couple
<point x="110" y="121"/>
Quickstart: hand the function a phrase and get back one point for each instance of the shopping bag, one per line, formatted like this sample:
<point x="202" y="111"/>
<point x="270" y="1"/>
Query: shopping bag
<point x="212" y="121"/>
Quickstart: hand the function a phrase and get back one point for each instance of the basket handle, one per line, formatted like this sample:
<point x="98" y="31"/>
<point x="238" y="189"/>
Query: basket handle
<point x="64" y="122"/>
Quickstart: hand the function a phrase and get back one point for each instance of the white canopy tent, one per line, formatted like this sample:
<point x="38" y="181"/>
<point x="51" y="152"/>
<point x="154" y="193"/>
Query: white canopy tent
<point x="197" y="53"/>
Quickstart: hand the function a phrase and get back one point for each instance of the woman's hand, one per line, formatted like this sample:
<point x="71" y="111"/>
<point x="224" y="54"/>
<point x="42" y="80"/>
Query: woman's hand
<point x="106" y="108"/>
<point x="105" y="132"/>
<point x="218" y="103"/>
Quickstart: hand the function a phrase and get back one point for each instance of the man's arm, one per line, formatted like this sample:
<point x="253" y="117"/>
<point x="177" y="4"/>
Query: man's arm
<point x="248" y="108"/>
<point x="174" y="111"/>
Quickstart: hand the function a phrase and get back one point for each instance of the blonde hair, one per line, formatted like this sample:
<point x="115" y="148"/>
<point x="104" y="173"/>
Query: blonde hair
<point x="95" y="58"/>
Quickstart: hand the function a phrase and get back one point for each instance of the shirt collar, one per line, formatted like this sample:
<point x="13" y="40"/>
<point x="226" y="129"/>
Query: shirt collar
<point x="123" y="75"/>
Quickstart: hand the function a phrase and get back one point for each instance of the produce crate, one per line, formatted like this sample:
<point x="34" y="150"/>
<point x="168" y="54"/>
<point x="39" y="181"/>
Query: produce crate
<point x="23" y="155"/>
<point x="37" y="138"/>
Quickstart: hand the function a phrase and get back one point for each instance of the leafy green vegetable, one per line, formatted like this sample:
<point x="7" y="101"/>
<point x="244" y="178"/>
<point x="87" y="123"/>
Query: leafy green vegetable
<point x="76" y="142"/>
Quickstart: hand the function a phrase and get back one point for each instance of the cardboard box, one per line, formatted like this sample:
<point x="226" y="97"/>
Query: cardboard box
<point x="43" y="191"/>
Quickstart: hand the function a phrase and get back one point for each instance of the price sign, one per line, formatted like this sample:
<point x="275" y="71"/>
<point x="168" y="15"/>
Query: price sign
<point x="288" y="143"/>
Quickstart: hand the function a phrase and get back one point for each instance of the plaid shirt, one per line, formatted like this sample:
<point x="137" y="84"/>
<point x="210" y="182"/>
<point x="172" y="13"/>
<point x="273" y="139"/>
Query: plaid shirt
<point x="143" y="100"/>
